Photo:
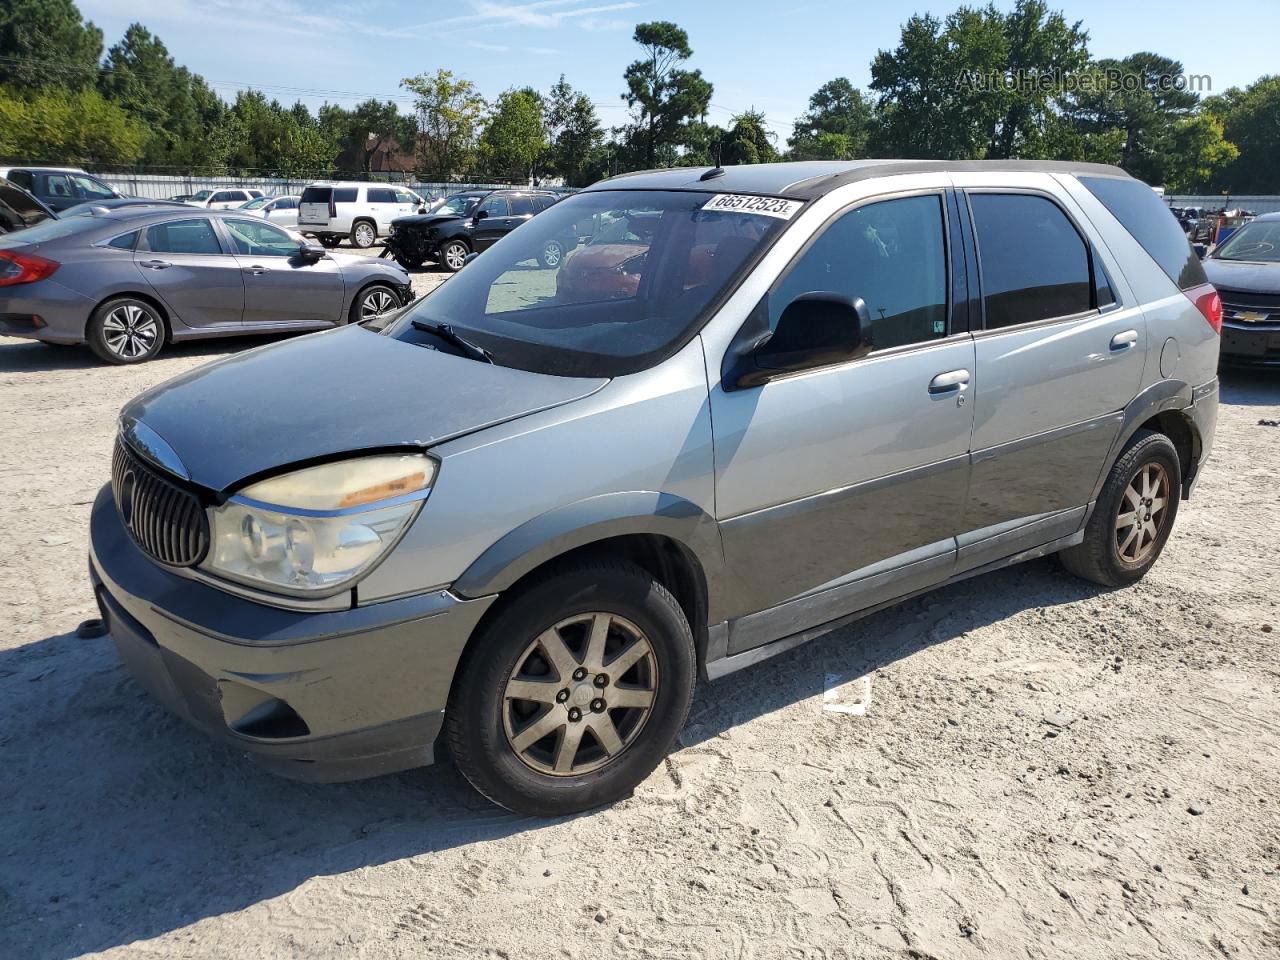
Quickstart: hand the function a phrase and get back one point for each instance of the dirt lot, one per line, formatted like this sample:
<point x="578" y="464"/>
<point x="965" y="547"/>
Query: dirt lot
<point x="1045" y="770"/>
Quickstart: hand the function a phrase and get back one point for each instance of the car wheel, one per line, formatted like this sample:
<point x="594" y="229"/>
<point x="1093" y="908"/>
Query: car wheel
<point x="126" y="330"/>
<point x="411" y="263"/>
<point x="453" y="255"/>
<point x="1133" y="516"/>
<point x="552" y="254"/>
<point x="363" y="234"/>
<point x="373" y="301"/>
<point x="574" y="692"/>
<point x="330" y="241"/>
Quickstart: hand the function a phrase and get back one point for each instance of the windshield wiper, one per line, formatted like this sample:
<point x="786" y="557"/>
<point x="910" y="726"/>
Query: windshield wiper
<point x="445" y="332"/>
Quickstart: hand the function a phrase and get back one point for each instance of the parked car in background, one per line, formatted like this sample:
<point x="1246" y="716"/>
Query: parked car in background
<point x="126" y="281"/>
<point x="225" y="199"/>
<point x="282" y="211"/>
<point x="60" y="187"/>
<point x="1197" y="223"/>
<point x="526" y="526"/>
<point x="19" y="209"/>
<point x="470" y="222"/>
<point x="334" y="211"/>
<point x="181" y="197"/>
<point x="90" y="207"/>
<point x="1246" y="270"/>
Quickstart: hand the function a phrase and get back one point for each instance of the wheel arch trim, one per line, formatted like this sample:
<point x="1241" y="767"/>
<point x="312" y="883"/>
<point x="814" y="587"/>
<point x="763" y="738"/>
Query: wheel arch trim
<point x="1161" y="397"/>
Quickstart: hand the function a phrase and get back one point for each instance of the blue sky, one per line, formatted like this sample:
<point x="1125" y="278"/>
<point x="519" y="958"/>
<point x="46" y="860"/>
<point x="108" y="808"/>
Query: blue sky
<point x="759" y="53"/>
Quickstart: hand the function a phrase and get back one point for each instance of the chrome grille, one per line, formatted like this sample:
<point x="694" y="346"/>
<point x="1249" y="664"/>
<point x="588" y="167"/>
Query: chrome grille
<point x="165" y="520"/>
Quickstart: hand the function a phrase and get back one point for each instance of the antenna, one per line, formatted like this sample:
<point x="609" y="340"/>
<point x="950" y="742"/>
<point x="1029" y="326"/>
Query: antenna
<point x="717" y="170"/>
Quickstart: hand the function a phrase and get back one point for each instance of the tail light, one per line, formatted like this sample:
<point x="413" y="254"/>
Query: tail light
<point x="16" y="268"/>
<point x="1208" y="303"/>
<point x="333" y="208"/>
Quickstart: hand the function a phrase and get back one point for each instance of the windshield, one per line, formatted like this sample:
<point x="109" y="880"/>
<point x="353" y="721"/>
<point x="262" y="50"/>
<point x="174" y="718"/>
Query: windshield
<point x="601" y="284"/>
<point x="458" y="205"/>
<point x="202" y="195"/>
<point x="1258" y="242"/>
<point x="255" y="204"/>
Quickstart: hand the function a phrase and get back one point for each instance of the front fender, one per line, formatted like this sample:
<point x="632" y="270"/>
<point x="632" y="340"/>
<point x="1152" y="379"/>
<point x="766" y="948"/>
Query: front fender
<point x="592" y="520"/>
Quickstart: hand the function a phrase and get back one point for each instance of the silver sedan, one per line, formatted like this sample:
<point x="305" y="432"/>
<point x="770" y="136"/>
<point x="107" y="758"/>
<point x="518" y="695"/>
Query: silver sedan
<point x="279" y="210"/>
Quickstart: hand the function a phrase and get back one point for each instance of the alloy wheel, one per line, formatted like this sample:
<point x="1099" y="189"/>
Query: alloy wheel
<point x="580" y="694"/>
<point x="1141" y="513"/>
<point x="130" y="332"/>
<point x="365" y="235"/>
<point x="376" y="302"/>
<point x="552" y="254"/>
<point x="455" y="255"/>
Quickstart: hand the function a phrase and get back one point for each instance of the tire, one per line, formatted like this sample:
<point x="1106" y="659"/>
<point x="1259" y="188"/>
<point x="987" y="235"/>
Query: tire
<point x="453" y="254"/>
<point x="364" y="234"/>
<point x="552" y="254"/>
<point x="126" y="330"/>
<point x="330" y="241"/>
<point x="488" y="730"/>
<point x="373" y="301"/>
<point x="411" y="263"/>
<point x="1145" y="484"/>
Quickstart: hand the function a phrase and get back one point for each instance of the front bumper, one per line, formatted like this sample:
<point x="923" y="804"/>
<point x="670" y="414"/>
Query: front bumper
<point x="1246" y="345"/>
<point x="326" y="695"/>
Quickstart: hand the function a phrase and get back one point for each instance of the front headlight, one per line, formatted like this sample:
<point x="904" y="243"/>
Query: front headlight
<point x="318" y="528"/>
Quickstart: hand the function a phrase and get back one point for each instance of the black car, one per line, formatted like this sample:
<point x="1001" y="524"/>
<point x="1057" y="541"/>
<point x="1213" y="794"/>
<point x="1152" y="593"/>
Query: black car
<point x="468" y="222"/>
<point x="59" y="189"/>
<point x="19" y="209"/>
<point x="1246" y="270"/>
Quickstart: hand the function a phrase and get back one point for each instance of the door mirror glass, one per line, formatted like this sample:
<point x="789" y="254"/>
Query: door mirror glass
<point x="817" y="329"/>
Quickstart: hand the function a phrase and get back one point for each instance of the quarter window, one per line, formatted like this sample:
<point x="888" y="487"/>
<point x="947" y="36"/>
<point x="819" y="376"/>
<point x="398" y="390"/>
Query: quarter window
<point x="183" y="236"/>
<point x="125" y="241"/>
<point x="892" y="254"/>
<point x="1035" y="266"/>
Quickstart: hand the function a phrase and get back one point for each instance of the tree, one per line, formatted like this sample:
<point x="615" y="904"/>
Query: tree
<point x="69" y="126"/>
<point x="1192" y="148"/>
<point x="1250" y="119"/>
<point x="449" y="114"/>
<point x="370" y="128"/>
<point x="749" y="140"/>
<point x="515" y="138"/>
<point x="176" y="105"/>
<point x="575" y="136"/>
<point x="837" y="125"/>
<point x="45" y="43"/>
<point x="663" y="98"/>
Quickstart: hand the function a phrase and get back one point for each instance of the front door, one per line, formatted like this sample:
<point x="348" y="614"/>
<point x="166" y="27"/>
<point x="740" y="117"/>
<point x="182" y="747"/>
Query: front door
<point x="1058" y="359"/>
<point x="494" y="225"/>
<point x="197" y="279"/>
<point x="279" y="286"/>
<point x="843" y="486"/>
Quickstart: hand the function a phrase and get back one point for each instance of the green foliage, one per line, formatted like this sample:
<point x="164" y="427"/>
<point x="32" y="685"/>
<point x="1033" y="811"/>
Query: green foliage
<point x="449" y="114"/>
<point x="837" y="125"/>
<point x="370" y="128"/>
<point x="70" y="127"/>
<point x="1251" y="120"/>
<point x="45" y="43"/>
<point x="749" y="140"/>
<point x="515" y="137"/>
<point x="573" y="130"/>
<point x="664" y="99"/>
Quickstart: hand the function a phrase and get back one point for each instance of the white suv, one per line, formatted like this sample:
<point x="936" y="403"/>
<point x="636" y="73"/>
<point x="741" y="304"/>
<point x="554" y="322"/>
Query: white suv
<point x="361" y="211"/>
<point x="223" y="199"/>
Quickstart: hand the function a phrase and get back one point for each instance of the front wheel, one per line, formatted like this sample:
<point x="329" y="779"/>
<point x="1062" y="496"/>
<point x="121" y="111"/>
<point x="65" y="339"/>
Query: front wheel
<point x="453" y="255"/>
<point x="1134" y="515"/>
<point x="574" y="692"/>
<point x="329" y="240"/>
<point x="552" y="254"/>
<point x="126" y="330"/>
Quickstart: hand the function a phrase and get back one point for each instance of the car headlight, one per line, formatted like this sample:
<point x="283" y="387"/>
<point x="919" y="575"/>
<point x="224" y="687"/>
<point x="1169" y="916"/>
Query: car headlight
<point x="318" y="528"/>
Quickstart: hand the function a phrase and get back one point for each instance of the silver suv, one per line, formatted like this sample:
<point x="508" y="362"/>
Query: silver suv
<point x="752" y="405"/>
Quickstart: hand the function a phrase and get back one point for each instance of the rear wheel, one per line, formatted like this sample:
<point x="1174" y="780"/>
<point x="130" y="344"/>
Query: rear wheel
<point x="575" y="692"/>
<point x="363" y="234"/>
<point x="1134" y="515"/>
<point x="453" y="255"/>
<point x="126" y="330"/>
<point x="372" y="302"/>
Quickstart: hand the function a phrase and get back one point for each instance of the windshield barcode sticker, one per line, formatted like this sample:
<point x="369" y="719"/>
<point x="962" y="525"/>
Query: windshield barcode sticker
<point x="763" y="206"/>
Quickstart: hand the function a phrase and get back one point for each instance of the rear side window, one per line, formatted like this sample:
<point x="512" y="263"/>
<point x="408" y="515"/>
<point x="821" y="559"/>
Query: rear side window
<point x="344" y="195"/>
<point x="522" y="206"/>
<point x="892" y="254"/>
<point x="1149" y="221"/>
<point x="381" y="195"/>
<point x="1034" y="264"/>
<point x="316" y="195"/>
<point x="183" y="236"/>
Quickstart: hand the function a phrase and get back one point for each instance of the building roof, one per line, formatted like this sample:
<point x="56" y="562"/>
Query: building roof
<point x="811" y="178"/>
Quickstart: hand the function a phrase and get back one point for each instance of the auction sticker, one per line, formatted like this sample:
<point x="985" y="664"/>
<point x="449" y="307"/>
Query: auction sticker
<point x="763" y="206"/>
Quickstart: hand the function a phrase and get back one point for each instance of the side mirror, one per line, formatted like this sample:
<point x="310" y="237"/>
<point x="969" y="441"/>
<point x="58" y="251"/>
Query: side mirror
<point x="469" y="257"/>
<point x="479" y="215"/>
<point x="311" y="252"/>
<point x="1200" y="250"/>
<point x="817" y="329"/>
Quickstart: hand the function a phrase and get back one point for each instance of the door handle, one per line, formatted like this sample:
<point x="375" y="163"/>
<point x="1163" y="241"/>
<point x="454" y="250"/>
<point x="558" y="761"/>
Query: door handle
<point x="1125" y="340"/>
<point x="255" y="269"/>
<point x="155" y="264"/>
<point x="949" y="382"/>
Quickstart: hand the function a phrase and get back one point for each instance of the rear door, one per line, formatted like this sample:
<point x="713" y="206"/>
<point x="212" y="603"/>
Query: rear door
<point x="494" y="224"/>
<point x="190" y="270"/>
<point x="384" y="207"/>
<point x="279" y="286"/>
<point x="1058" y="358"/>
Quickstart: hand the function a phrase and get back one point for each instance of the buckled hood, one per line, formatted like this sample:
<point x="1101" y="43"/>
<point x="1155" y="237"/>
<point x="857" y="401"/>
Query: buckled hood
<point x="322" y="396"/>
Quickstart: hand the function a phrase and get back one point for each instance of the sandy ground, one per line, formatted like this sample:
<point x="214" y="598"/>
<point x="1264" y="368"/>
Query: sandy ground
<point x="1044" y="769"/>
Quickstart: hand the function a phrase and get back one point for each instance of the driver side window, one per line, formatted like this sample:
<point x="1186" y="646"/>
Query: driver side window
<point x="494" y="207"/>
<point x="259" y="239"/>
<point x="892" y="254"/>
